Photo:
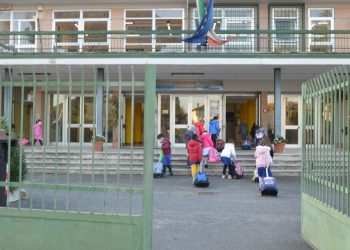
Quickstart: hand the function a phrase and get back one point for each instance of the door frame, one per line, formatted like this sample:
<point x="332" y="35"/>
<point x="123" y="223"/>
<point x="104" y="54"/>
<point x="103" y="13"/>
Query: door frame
<point x="283" y="119"/>
<point x="224" y="102"/>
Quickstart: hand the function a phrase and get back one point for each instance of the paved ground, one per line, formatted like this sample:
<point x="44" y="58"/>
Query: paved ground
<point x="230" y="214"/>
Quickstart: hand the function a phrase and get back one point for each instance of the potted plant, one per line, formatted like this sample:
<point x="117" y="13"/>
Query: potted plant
<point x="279" y="143"/>
<point x="98" y="141"/>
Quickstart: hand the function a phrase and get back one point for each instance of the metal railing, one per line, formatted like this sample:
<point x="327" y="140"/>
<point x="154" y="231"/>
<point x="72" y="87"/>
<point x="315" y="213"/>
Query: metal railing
<point x="326" y="139"/>
<point x="170" y="42"/>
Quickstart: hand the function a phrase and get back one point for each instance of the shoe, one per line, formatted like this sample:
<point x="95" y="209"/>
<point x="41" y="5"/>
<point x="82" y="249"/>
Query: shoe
<point x="223" y="176"/>
<point x="171" y="173"/>
<point x="205" y="166"/>
<point x="193" y="181"/>
<point x="230" y="177"/>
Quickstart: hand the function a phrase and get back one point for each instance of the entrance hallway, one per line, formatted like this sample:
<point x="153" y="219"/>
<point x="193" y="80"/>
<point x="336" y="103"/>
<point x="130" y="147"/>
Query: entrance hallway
<point x="229" y="214"/>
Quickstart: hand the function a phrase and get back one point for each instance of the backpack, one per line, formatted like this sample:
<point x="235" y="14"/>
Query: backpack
<point x="201" y="180"/>
<point x="213" y="155"/>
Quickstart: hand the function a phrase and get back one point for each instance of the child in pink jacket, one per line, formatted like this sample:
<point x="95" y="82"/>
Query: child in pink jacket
<point x="263" y="159"/>
<point x="207" y="143"/>
<point x="38" y="132"/>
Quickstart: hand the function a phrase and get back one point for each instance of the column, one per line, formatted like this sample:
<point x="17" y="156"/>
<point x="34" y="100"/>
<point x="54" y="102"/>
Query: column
<point x="277" y="82"/>
<point x="99" y="103"/>
<point x="7" y="97"/>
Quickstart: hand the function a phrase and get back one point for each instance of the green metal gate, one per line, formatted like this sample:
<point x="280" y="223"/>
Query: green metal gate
<point x="77" y="198"/>
<point x="326" y="160"/>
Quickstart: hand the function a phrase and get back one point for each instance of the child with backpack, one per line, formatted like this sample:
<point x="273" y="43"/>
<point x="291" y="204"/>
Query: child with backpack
<point x="207" y="144"/>
<point x="166" y="149"/>
<point x="263" y="159"/>
<point x="226" y="155"/>
<point x="194" y="149"/>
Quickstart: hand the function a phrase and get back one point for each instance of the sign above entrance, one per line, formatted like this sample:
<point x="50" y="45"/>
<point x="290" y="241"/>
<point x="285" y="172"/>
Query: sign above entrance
<point x="190" y="85"/>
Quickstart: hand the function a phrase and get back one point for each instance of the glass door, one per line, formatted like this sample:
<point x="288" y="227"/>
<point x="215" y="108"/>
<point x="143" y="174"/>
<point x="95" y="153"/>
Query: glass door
<point x="81" y="118"/>
<point x="181" y="119"/>
<point x="291" y="119"/>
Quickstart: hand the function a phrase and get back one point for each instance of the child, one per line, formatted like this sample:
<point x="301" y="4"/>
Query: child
<point x="207" y="143"/>
<point x="166" y="149"/>
<point x="226" y="155"/>
<point x="263" y="159"/>
<point x="194" y="149"/>
<point x="38" y="132"/>
<point x="199" y="127"/>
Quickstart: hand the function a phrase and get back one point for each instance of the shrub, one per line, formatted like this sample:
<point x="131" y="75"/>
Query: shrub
<point x="279" y="140"/>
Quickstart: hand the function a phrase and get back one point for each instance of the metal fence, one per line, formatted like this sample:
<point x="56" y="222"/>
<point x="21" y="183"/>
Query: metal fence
<point x="326" y="139"/>
<point x="68" y="176"/>
<point x="171" y="41"/>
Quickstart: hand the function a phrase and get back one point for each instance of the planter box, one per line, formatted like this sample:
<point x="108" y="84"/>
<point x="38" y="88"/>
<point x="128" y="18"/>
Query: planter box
<point x="99" y="146"/>
<point x="279" y="148"/>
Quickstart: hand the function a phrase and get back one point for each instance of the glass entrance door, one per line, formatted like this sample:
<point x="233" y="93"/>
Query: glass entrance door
<point x="81" y="118"/>
<point x="291" y="119"/>
<point x="181" y="118"/>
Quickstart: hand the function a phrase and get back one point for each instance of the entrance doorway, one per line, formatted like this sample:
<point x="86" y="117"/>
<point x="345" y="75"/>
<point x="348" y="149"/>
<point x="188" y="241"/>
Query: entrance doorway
<point x="239" y="108"/>
<point x="291" y="119"/>
<point x="133" y="123"/>
<point x="178" y="112"/>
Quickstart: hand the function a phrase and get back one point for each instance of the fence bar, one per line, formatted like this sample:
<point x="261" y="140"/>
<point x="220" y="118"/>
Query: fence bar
<point x="20" y="140"/>
<point x="149" y="118"/>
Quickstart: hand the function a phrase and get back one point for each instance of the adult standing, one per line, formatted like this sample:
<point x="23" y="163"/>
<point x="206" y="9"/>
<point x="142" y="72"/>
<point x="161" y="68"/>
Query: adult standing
<point x="214" y="129"/>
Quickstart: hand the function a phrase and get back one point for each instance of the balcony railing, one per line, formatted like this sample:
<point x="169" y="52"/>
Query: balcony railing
<point x="170" y="42"/>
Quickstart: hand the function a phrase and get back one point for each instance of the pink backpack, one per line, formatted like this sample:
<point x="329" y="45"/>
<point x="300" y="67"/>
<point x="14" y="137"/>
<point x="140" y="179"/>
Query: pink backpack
<point x="213" y="155"/>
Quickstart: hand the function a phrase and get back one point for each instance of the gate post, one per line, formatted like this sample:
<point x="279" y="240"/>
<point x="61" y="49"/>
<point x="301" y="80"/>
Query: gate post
<point x="99" y="105"/>
<point x="7" y="103"/>
<point x="149" y="118"/>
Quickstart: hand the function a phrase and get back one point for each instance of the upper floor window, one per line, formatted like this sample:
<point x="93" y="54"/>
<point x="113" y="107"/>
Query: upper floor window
<point x="321" y="19"/>
<point x="82" y="20"/>
<point x="284" y="19"/>
<point x="19" y="21"/>
<point x="154" y="19"/>
<point x="240" y="18"/>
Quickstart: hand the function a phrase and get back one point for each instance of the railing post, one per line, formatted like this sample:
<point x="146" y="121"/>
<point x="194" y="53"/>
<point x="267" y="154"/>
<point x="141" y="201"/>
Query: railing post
<point x="99" y="103"/>
<point x="149" y="128"/>
<point x="277" y="95"/>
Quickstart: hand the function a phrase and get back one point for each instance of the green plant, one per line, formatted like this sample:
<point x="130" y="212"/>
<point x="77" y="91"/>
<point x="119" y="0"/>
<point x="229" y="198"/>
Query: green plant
<point x="15" y="161"/>
<point x="98" y="138"/>
<point x="280" y="140"/>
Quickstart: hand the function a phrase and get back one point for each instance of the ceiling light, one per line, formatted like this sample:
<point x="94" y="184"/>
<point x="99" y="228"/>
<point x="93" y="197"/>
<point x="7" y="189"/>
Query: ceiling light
<point x="129" y="22"/>
<point x="76" y="25"/>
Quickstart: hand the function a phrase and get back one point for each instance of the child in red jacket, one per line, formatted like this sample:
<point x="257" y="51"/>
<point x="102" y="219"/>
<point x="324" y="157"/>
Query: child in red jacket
<point x="194" y="149"/>
<point x="166" y="149"/>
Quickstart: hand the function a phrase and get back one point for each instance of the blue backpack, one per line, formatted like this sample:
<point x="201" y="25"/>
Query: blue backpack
<point x="201" y="180"/>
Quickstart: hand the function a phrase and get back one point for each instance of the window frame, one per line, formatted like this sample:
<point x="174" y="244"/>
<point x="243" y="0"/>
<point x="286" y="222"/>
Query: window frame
<point x="331" y="19"/>
<point x="81" y="27"/>
<point x="153" y="19"/>
<point x="295" y="39"/>
<point x="14" y="40"/>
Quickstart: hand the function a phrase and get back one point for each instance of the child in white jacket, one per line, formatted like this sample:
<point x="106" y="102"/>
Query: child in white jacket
<point x="226" y="155"/>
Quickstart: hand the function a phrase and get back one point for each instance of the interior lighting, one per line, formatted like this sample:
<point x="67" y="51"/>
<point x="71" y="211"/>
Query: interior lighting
<point x="76" y="25"/>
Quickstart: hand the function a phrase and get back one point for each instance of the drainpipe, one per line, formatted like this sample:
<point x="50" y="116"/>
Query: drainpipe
<point x="277" y="91"/>
<point x="99" y="102"/>
<point x="7" y="104"/>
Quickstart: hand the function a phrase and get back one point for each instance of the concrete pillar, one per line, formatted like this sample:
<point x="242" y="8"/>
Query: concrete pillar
<point x="277" y="82"/>
<point x="7" y="97"/>
<point x="99" y="102"/>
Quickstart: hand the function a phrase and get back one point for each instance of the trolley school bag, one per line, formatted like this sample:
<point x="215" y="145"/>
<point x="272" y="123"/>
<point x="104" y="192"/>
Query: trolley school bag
<point x="201" y="180"/>
<point x="269" y="185"/>
<point x="239" y="170"/>
<point x="246" y="145"/>
<point x="158" y="169"/>
<point x="220" y="145"/>
<point x="213" y="155"/>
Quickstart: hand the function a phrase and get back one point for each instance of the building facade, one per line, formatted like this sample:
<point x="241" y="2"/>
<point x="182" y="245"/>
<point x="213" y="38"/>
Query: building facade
<point x="272" y="47"/>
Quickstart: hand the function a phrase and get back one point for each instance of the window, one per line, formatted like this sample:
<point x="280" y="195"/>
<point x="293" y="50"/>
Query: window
<point x="83" y="20"/>
<point x="321" y="19"/>
<point x="285" y="19"/>
<point x="18" y="21"/>
<point x="233" y="19"/>
<point x="154" y="19"/>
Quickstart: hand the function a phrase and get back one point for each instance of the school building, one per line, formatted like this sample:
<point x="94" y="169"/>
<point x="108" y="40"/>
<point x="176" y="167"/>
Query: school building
<point x="256" y="75"/>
